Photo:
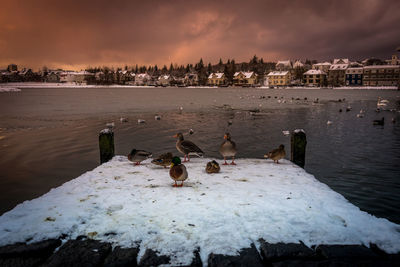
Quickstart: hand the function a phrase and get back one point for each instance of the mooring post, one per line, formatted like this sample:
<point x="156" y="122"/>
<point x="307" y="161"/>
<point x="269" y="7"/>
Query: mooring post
<point x="298" y="147"/>
<point x="106" y="144"/>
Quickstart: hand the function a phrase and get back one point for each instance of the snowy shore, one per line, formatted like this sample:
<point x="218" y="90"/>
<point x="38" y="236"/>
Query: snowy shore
<point x="222" y="213"/>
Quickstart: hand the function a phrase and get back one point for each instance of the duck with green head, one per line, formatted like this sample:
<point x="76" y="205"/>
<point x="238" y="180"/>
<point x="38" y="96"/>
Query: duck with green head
<point x="178" y="171"/>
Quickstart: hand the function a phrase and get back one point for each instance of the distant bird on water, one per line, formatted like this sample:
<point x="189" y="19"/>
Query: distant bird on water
<point x="276" y="154"/>
<point x="137" y="156"/>
<point x="212" y="167"/>
<point x="178" y="171"/>
<point x="228" y="149"/>
<point x="379" y="122"/>
<point x="187" y="147"/>
<point x="163" y="160"/>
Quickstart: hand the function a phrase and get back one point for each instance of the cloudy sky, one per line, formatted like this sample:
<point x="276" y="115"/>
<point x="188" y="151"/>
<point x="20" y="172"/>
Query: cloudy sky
<point x="75" y="34"/>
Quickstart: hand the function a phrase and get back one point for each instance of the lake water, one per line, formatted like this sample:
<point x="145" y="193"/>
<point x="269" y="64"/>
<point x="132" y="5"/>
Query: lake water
<point x="50" y="136"/>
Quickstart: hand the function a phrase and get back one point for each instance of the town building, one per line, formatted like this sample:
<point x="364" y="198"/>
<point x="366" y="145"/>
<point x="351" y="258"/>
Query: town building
<point x="142" y="79"/>
<point x="298" y="64"/>
<point x="284" y="65"/>
<point x="243" y="78"/>
<point x="324" y="66"/>
<point x="75" y="77"/>
<point x="12" y="67"/>
<point x="164" y="80"/>
<point x="217" y="78"/>
<point x="52" y="77"/>
<point x="191" y="79"/>
<point x="279" y="78"/>
<point x="354" y="76"/>
<point x="337" y="72"/>
<point x="381" y="75"/>
<point x="315" y="78"/>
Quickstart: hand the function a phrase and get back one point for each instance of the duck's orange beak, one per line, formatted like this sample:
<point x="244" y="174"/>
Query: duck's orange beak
<point x="225" y="136"/>
<point x="176" y="136"/>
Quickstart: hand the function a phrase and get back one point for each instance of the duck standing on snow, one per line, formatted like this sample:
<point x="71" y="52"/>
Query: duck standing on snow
<point x="178" y="171"/>
<point x="163" y="160"/>
<point x="187" y="147"/>
<point x="276" y="154"/>
<point x="138" y="156"/>
<point x="212" y="167"/>
<point x="228" y="149"/>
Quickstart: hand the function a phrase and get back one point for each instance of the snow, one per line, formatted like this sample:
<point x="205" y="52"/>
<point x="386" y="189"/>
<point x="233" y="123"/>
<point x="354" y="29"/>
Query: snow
<point x="9" y="89"/>
<point x="217" y="75"/>
<point x="314" y="72"/>
<point x="278" y="73"/>
<point x="220" y="213"/>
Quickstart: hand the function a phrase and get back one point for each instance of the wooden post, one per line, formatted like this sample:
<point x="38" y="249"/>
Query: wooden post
<point x="106" y="144"/>
<point x="298" y="147"/>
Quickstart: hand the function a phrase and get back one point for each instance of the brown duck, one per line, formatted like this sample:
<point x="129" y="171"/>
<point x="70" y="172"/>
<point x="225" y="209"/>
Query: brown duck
<point x="163" y="160"/>
<point x="212" y="167"/>
<point x="228" y="149"/>
<point x="178" y="171"/>
<point x="276" y="154"/>
<point x="187" y="147"/>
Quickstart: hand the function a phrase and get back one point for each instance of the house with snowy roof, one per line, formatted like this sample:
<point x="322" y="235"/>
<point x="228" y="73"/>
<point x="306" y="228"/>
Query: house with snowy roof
<point x="284" y="65"/>
<point x="324" y="66"/>
<point x="142" y="79"/>
<point x="244" y="78"/>
<point x="75" y="77"/>
<point x="315" y="78"/>
<point x="337" y="72"/>
<point x="52" y="77"/>
<point x="279" y="78"/>
<point x="191" y="79"/>
<point x="164" y="80"/>
<point x="298" y="64"/>
<point x="217" y="78"/>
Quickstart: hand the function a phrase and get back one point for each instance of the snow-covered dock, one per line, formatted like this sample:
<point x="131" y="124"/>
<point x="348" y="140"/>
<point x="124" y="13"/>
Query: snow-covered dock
<point x="220" y="213"/>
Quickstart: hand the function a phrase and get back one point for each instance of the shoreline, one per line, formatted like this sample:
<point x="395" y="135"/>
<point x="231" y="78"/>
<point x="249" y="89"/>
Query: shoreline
<point x="41" y="85"/>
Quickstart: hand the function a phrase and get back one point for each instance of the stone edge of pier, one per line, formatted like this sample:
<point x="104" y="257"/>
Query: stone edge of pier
<point x="88" y="252"/>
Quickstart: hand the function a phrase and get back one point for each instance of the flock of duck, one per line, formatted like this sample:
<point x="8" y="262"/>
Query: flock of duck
<point x="178" y="171"/>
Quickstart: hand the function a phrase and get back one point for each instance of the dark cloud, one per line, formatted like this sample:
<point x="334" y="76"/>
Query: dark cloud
<point x="76" y="34"/>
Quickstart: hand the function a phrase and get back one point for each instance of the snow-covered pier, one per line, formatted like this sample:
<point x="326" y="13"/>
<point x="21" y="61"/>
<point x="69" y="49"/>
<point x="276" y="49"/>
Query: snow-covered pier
<point x="256" y="210"/>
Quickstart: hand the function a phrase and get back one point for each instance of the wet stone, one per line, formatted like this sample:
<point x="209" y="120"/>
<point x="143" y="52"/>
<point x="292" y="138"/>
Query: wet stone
<point x="21" y="254"/>
<point x="196" y="262"/>
<point x="246" y="257"/>
<point x="38" y="249"/>
<point x="345" y="251"/>
<point x="282" y="251"/>
<point x="150" y="258"/>
<point x="80" y="253"/>
<point x="120" y="257"/>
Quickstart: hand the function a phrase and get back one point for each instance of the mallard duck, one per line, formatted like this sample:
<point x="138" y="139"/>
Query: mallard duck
<point x="163" y="160"/>
<point x="228" y="149"/>
<point x="379" y="122"/>
<point x="212" y="167"/>
<point x="138" y="156"/>
<point x="186" y="147"/>
<point x="276" y="154"/>
<point x="178" y="171"/>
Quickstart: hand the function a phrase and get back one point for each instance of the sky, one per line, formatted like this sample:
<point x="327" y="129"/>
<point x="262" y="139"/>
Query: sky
<point x="75" y="34"/>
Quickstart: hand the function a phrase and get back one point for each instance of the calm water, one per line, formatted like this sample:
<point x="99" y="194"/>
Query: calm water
<point x="49" y="136"/>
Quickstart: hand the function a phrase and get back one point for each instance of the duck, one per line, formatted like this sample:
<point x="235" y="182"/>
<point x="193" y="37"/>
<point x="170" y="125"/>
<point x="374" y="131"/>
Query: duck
<point x="228" y="149"/>
<point x="163" y="160"/>
<point x="157" y="117"/>
<point x="212" y="167"/>
<point x="138" y="156"/>
<point x="178" y="171"/>
<point x="276" y="154"/>
<point x="379" y="122"/>
<point x="187" y="147"/>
